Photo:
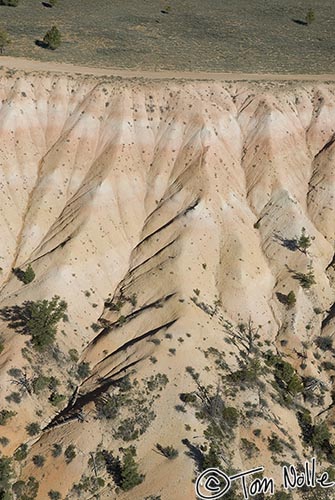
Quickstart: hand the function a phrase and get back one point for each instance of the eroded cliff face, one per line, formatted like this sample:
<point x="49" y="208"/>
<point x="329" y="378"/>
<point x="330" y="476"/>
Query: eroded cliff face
<point x="168" y="216"/>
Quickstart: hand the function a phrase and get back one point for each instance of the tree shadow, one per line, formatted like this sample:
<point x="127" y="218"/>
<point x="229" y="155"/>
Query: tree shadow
<point x="282" y="298"/>
<point x="41" y="44"/>
<point x="289" y="243"/>
<point x="194" y="453"/>
<point x="17" y="317"/>
<point x="300" y="21"/>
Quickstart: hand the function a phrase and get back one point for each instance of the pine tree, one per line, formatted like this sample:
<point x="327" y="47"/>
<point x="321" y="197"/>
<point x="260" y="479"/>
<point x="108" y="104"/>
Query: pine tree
<point x="43" y="318"/>
<point x="130" y="476"/>
<point x="29" y="275"/>
<point x="304" y="241"/>
<point x="52" y="38"/>
<point x="310" y="16"/>
<point x="4" y="40"/>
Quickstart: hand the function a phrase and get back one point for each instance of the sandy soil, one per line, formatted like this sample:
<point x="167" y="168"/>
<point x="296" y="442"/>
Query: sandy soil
<point x="33" y="65"/>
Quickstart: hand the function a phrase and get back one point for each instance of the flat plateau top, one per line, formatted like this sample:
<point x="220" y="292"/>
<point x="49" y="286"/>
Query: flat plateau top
<point x="213" y="36"/>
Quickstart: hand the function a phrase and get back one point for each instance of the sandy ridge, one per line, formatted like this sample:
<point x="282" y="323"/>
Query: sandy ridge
<point x="18" y="63"/>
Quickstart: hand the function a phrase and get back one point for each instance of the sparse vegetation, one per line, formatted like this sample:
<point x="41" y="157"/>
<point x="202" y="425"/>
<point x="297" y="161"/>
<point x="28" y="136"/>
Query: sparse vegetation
<point x="306" y="280"/>
<point x="304" y="241"/>
<point x="6" y="415"/>
<point x="290" y="299"/>
<point x="39" y="460"/>
<point x="33" y="428"/>
<point x="21" y="452"/>
<point x="6" y="474"/>
<point x="168" y="451"/>
<point x="10" y="3"/>
<point x="26" y="276"/>
<point x="70" y="453"/>
<point x="56" y="450"/>
<point x="130" y="476"/>
<point x="324" y="343"/>
<point x="310" y="16"/>
<point x="4" y="40"/>
<point x="52" y="38"/>
<point x="54" y="495"/>
<point x="26" y="490"/>
<point x="83" y="370"/>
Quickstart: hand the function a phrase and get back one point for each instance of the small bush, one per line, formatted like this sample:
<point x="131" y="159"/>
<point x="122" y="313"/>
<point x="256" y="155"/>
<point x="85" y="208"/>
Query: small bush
<point x="70" y="453"/>
<point x="26" y="490"/>
<point x="83" y="370"/>
<point x="274" y="444"/>
<point x="4" y="441"/>
<point x="21" y="452"/>
<point x="26" y="276"/>
<point x="52" y="38"/>
<point x="14" y="397"/>
<point x="39" y="460"/>
<point x="54" y="495"/>
<point x="33" y="428"/>
<point x="55" y="398"/>
<point x="324" y="343"/>
<point x="310" y="16"/>
<point x="10" y="3"/>
<point x="40" y="383"/>
<point x="56" y="450"/>
<point x="306" y="280"/>
<point x="130" y="477"/>
<point x="168" y="451"/>
<point x="6" y="415"/>
<point x="290" y="299"/>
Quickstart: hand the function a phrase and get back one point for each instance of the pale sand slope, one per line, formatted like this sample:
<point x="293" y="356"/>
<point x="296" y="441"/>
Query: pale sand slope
<point x="178" y="196"/>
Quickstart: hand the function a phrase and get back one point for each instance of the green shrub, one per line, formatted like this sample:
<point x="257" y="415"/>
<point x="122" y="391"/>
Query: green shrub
<point x="306" y="280"/>
<point x="26" y="276"/>
<point x="304" y="241"/>
<point x="52" y="38"/>
<point x="14" y="397"/>
<point x="43" y="318"/>
<point x="211" y="459"/>
<point x="168" y="451"/>
<point x="4" y="40"/>
<point x="26" y="490"/>
<point x="6" y="415"/>
<point x="230" y="416"/>
<point x="33" y="428"/>
<point x="56" y="450"/>
<point x="38" y="460"/>
<point x="70" y="453"/>
<point x="83" y="370"/>
<point x="274" y="444"/>
<point x="54" y="495"/>
<point x="40" y="383"/>
<point x="56" y="399"/>
<point x="324" y="343"/>
<point x="6" y="474"/>
<point x="10" y="3"/>
<point x="21" y="453"/>
<point x="130" y="476"/>
<point x="74" y="355"/>
<point x="4" y="441"/>
<point x="310" y="16"/>
<point x="290" y="299"/>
